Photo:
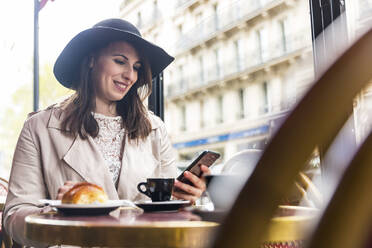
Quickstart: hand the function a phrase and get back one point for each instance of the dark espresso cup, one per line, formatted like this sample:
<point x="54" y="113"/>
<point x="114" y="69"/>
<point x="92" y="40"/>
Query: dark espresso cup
<point x="158" y="189"/>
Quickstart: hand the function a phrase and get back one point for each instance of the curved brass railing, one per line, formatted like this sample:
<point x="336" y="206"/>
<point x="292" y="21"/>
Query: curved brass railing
<point x="314" y="121"/>
<point x="347" y="220"/>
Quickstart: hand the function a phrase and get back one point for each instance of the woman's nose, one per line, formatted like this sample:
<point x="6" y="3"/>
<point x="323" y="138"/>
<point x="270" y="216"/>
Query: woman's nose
<point x="130" y="74"/>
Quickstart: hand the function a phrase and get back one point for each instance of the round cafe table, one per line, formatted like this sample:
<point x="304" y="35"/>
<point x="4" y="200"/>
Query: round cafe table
<point x="126" y="227"/>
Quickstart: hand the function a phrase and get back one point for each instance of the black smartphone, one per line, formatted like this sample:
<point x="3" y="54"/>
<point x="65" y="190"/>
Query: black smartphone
<point x="206" y="158"/>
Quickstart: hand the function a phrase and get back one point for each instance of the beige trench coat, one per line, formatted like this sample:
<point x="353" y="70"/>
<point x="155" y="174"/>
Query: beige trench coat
<point x="46" y="157"/>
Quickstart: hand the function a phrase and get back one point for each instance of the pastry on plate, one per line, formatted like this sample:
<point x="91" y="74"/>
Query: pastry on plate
<point x="85" y="193"/>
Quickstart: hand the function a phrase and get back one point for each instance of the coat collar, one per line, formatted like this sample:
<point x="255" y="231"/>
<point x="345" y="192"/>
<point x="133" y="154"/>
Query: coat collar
<point x="58" y="114"/>
<point x="56" y="117"/>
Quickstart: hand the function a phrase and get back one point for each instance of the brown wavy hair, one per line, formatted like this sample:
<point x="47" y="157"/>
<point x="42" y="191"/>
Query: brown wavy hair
<point x="79" y="118"/>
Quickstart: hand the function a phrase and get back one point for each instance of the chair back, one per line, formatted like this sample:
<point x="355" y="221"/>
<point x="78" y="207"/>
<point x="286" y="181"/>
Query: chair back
<point x="3" y="187"/>
<point x="4" y="239"/>
<point x="242" y="162"/>
<point x="347" y="219"/>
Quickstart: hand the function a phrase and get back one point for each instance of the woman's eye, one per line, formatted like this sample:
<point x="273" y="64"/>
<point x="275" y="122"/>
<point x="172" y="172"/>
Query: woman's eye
<point x="137" y="68"/>
<point x="120" y="62"/>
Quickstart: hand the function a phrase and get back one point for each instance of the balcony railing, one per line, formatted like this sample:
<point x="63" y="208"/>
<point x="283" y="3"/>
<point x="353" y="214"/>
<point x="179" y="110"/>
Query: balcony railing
<point x="267" y="110"/>
<point x="207" y="28"/>
<point x="244" y="63"/>
<point x="184" y="3"/>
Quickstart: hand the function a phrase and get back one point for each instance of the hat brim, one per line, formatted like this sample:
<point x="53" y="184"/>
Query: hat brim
<point x="67" y="65"/>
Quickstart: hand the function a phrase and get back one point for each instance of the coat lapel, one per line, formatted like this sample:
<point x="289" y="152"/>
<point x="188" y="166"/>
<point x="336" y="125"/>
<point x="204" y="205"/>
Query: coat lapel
<point x="138" y="164"/>
<point x="81" y="155"/>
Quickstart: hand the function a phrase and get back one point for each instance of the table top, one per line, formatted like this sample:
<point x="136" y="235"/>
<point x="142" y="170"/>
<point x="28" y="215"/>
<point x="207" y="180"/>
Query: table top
<point x="125" y="227"/>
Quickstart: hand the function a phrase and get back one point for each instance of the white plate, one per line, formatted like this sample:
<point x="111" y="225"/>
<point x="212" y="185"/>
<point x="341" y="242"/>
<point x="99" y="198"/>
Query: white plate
<point x="87" y="209"/>
<point x="109" y="203"/>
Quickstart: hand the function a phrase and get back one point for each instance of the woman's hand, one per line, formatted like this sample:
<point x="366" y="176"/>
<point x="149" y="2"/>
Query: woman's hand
<point x="66" y="187"/>
<point x="191" y="193"/>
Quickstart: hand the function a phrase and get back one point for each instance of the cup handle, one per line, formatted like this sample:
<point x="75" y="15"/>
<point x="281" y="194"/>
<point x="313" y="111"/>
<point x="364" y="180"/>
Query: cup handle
<point x="141" y="190"/>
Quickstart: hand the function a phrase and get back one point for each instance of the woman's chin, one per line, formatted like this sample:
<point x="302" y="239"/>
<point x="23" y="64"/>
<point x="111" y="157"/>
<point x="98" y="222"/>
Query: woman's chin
<point x="117" y="96"/>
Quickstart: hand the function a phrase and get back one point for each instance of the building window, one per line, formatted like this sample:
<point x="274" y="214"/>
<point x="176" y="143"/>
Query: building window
<point x="155" y="10"/>
<point x="183" y="118"/>
<point x="201" y="69"/>
<point x="202" y="122"/>
<point x="259" y="46"/>
<point x="215" y="10"/>
<point x="239" y="54"/>
<point x="139" y="20"/>
<point x="262" y="44"/>
<point x="182" y="81"/>
<point x="218" y="57"/>
<point x="265" y="99"/>
<point x="283" y="34"/>
<point x="219" y="116"/>
<point x="241" y="110"/>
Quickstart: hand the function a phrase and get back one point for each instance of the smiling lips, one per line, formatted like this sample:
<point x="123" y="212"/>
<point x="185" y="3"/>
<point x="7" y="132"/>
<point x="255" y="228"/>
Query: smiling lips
<point x="121" y="86"/>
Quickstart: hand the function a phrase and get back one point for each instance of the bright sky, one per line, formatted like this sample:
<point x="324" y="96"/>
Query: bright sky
<point x="59" y="21"/>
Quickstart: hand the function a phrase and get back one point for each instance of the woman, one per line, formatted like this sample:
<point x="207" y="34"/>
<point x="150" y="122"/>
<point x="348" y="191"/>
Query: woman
<point x="102" y="134"/>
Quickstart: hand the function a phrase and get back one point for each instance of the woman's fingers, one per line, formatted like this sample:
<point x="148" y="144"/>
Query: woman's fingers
<point x="196" y="181"/>
<point x="194" y="191"/>
<point x="188" y="189"/>
<point x="205" y="169"/>
<point x="187" y="197"/>
<point x="66" y="187"/>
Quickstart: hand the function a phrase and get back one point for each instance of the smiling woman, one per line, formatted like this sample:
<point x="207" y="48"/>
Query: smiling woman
<point x="102" y="134"/>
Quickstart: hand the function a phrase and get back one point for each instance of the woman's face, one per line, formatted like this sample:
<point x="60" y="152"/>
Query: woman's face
<point x="114" y="71"/>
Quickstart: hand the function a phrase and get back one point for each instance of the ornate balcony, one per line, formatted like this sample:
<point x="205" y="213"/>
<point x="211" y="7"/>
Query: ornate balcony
<point x="249" y="62"/>
<point x="223" y="21"/>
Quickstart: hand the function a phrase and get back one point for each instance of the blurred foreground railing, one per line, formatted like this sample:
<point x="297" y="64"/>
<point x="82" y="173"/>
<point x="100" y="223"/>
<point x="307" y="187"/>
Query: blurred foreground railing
<point x="314" y="122"/>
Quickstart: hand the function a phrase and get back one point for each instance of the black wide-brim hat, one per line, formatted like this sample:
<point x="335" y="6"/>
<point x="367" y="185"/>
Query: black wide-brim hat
<point x="67" y="66"/>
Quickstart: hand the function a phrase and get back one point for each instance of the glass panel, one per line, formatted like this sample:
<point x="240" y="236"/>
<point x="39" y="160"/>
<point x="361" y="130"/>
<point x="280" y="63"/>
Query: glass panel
<point x="265" y="68"/>
<point x="258" y="58"/>
<point x="240" y="66"/>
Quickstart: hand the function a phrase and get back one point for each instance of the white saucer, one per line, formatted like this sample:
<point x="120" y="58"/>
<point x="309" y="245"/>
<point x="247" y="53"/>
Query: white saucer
<point x="162" y="205"/>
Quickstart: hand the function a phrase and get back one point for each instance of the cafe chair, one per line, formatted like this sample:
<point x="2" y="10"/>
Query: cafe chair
<point x="242" y="162"/>
<point x="347" y="219"/>
<point x="3" y="193"/>
<point x="314" y="122"/>
<point x="222" y="188"/>
<point x="3" y="186"/>
<point x="304" y="192"/>
<point x="310" y="190"/>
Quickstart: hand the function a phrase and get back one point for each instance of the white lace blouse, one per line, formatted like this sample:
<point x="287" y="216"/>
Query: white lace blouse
<point x="109" y="141"/>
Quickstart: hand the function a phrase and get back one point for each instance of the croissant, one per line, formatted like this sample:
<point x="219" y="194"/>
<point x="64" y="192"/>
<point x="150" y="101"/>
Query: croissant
<point x="85" y="193"/>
